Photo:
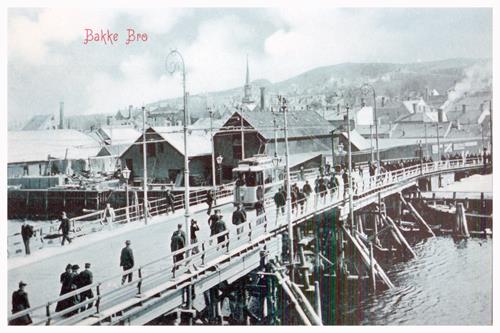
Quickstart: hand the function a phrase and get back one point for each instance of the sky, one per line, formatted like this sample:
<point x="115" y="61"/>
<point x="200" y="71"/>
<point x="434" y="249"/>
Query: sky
<point x="48" y="61"/>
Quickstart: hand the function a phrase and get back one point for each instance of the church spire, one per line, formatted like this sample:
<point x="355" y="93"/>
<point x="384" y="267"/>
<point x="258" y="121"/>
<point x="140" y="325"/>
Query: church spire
<point x="247" y="82"/>
<point x="247" y="89"/>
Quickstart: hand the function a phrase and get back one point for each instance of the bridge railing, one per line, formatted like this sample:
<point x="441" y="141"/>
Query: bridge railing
<point x="96" y="221"/>
<point x="206" y="252"/>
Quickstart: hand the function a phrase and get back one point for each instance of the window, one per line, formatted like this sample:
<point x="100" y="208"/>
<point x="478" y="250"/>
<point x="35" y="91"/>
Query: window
<point x="237" y="147"/>
<point x="151" y="149"/>
<point x="161" y="149"/>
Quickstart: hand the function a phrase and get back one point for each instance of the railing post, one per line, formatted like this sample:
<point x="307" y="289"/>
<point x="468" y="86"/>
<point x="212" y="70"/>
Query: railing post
<point x="47" y="313"/>
<point x="98" y="302"/>
<point x="139" y="284"/>
<point x="203" y="253"/>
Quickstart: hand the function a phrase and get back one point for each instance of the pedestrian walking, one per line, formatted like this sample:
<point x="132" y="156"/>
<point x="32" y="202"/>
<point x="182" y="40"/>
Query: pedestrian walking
<point x="109" y="215"/>
<point x="218" y="227"/>
<point x="301" y="199"/>
<point x="26" y="234"/>
<point x="239" y="217"/>
<point x="75" y="284"/>
<point x="210" y="200"/>
<point x="127" y="261"/>
<point x="65" y="279"/>
<point x="20" y="302"/>
<point x="194" y="239"/>
<point x="213" y="218"/>
<point x="302" y="177"/>
<point x="64" y="227"/>
<point x="86" y="278"/>
<point x="279" y="201"/>
<point x="177" y="242"/>
<point x="259" y="207"/>
<point x="169" y="201"/>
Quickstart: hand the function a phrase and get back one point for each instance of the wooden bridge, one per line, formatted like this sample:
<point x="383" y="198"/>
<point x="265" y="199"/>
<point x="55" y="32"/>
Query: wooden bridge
<point x="162" y="286"/>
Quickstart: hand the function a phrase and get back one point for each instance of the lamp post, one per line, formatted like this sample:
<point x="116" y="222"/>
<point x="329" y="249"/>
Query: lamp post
<point x="420" y="156"/>
<point x="219" y="163"/>
<point x="214" y="183"/>
<point x="351" y="212"/>
<point x="144" y="166"/>
<point x="175" y="62"/>
<point x="126" y="175"/>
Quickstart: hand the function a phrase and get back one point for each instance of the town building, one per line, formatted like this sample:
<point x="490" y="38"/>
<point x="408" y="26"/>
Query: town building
<point x="165" y="156"/>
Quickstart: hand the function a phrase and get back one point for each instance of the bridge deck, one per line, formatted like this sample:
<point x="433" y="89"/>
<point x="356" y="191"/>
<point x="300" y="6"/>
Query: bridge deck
<point x="158" y="291"/>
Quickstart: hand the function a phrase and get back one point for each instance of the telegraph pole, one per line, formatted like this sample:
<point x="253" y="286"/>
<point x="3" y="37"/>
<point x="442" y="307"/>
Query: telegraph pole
<point x="144" y="166"/>
<point x="351" y="212"/>
<point x="214" y="184"/>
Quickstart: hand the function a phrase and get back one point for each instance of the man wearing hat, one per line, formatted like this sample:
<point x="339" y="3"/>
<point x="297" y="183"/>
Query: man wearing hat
<point x="64" y="227"/>
<point x="20" y="302"/>
<point x="65" y="279"/>
<point x="85" y="278"/>
<point x="127" y="261"/>
<point x="75" y="283"/>
<point x="177" y="242"/>
<point x="213" y="218"/>
<point x="26" y="234"/>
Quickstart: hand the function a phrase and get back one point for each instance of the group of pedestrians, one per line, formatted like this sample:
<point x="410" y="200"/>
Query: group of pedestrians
<point x="72" y="280"/>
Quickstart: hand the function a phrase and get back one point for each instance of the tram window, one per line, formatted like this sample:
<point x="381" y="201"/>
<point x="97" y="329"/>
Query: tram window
<point x="253" y="178"/>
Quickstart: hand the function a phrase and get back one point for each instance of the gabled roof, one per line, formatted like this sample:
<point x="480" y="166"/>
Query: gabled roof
<point x="30" y="146"/>
<point x="113" y="150"/>
<point x="357" y="140"/>
<point x="198" y="141"/>
<point x="38" y="122"/>
<point x="301" y="124"/>
<point x="119" y="135"/>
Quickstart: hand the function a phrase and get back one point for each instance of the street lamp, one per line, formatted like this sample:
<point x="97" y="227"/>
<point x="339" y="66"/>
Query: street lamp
<point x="126" y="175"/>
<point x="174" y="63"/>
<point x="219" y="163"/>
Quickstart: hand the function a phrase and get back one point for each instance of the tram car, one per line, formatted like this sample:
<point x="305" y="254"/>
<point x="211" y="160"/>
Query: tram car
<point x="257" y="178"/>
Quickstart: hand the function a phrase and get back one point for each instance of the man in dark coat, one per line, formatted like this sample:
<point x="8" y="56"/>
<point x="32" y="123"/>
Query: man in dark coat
<point x="65" y="279"/>
<point x="279" y="201"/>
<point x="177" y="242"/>
<point x="20" y="302"/>
<point x="259" y="207"/>
<point x="239" y="215"/>
<point x="169" y="200"/>
<point x="75" y="284"/>
<point x="26" y="234"/>
<point x="217" y="228"/>
<point x="301" y="199"/>
<point x="213" y="218"/>
<point x="127" y="261"/>
<point x="210" y="200"/>
<point x="64" y="227"/>
<point x="86" y="278"/>
<point x="194" y="238"/>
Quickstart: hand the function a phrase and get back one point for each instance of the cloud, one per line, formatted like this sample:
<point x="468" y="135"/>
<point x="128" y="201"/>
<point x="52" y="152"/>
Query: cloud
<point x="137" y="83"/>
<point x="30" y="39"/>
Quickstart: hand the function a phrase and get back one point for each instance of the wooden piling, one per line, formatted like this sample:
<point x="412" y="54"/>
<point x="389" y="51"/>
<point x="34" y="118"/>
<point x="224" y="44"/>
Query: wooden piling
<point x="461" y="228"/>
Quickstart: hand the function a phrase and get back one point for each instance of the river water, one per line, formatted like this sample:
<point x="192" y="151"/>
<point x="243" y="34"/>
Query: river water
<point x="449" y="283"/>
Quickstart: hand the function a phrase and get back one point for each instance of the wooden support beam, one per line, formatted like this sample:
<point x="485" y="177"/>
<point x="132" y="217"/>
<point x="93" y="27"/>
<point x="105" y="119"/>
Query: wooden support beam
<point x="364" y="254"/>
<point x="399" y="235"/>
<point x="418" y="217"/>
<point x="461" y="229"/>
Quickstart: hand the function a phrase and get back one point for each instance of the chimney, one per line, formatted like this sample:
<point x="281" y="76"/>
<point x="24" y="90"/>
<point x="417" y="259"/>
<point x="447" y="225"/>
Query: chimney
<point x="463" y="108"/>
<point x="426" y="94"/>
<point x="108" y="120"/>
<point x="481" y="107"/>
<point x="383" y="101"/>
<point x="262" y="98"/>
<point x="61" y="115"/>
<point x="362" y="102"/>
<point x="414" y="107"/>
<point x="440" y="115"/>
<point x="130" y="111"/>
